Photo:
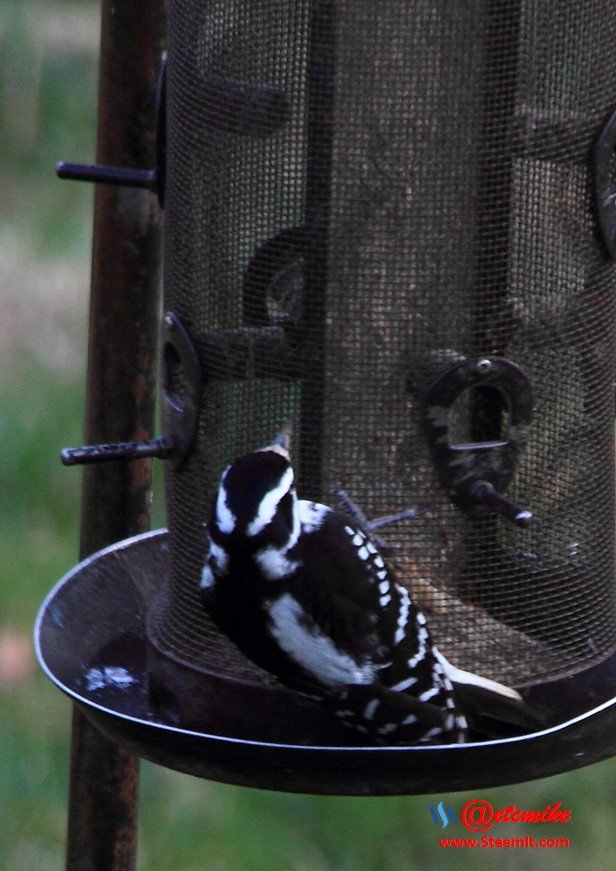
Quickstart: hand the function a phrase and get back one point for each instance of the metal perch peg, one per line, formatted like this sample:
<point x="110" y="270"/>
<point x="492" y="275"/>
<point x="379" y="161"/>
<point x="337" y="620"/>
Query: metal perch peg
<point x="162" y="448"/>
<point x="134" y="178"/>
<point x="485" y="493"/>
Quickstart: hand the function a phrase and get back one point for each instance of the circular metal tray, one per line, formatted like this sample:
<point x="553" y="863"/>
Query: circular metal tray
<point x="90" y="639"/>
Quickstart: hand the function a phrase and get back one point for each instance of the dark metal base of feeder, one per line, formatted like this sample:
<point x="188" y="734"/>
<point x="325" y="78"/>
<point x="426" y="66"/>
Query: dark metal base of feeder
<point x="91" y="641"/>
<point x="256" y="708"/>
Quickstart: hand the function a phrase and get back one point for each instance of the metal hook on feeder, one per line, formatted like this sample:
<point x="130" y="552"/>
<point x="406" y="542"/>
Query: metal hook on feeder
<point x="477" y="473"/>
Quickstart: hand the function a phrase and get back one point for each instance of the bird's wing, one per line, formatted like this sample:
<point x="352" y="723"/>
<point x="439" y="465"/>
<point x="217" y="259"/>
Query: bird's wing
<point x="370" y="616"/>
<point x="348" y="588"/>
<point x="355" y="600"/>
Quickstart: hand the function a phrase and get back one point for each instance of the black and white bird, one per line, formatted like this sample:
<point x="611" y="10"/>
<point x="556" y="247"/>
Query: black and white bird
<point x="305" y="594"/>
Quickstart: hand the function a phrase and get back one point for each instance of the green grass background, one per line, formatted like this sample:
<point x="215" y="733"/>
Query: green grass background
<point x="47" y="112"/>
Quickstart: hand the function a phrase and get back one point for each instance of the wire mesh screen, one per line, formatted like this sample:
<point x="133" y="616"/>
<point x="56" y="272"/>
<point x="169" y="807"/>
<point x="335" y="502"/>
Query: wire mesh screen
<point x="359" y="195"/>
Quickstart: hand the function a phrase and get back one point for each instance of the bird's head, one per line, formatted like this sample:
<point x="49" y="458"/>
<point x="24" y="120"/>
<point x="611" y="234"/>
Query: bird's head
<point x="256" y="504"/>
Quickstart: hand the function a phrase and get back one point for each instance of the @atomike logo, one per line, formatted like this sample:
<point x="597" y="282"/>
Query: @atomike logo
<point x="478" y="815"/>
<point x="442" y="817"/>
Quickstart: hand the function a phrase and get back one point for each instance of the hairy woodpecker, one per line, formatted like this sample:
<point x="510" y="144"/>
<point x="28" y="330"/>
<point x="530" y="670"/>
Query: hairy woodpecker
<point x="305" y="594"/>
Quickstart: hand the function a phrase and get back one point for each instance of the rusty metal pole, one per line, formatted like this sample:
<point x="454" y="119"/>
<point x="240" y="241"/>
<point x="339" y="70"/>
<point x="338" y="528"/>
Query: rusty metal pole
<point x="122" y="367"/>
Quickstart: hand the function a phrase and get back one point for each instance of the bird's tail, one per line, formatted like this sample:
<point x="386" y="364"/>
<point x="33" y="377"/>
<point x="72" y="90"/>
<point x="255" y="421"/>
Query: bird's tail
<point x="492" y="710"/>
<point x="390" y="717"/>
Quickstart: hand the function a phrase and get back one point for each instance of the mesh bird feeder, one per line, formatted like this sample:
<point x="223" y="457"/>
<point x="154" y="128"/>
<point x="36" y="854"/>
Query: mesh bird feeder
<point x="394" y="224"/>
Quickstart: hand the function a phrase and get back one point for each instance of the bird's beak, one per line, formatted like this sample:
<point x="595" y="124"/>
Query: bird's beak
<point x="282" y="442"/>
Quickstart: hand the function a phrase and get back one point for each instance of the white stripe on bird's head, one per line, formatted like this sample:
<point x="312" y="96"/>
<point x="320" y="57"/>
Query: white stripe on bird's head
<point x="225" y="518"/>
<point x="269" y="504"/>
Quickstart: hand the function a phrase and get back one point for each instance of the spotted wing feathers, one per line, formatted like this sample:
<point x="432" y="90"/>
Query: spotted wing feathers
<point x="373" y="622"/>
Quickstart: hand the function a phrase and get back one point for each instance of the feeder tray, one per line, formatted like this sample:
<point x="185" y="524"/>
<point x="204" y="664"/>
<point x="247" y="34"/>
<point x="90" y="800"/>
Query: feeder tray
<point x="91" y="641"/>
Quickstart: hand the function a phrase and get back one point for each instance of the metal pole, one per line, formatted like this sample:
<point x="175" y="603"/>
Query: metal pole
<point x="122" y="366"/>
<point x="320" y="86"/>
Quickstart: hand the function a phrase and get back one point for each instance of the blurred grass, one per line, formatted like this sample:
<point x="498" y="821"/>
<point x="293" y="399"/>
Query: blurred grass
<point x="47" y="112"/>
